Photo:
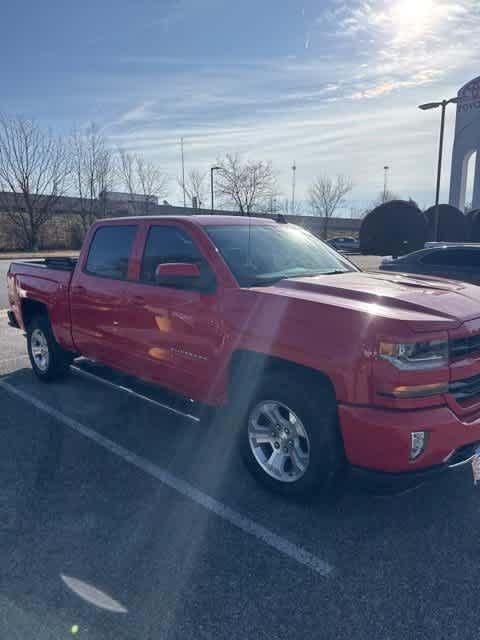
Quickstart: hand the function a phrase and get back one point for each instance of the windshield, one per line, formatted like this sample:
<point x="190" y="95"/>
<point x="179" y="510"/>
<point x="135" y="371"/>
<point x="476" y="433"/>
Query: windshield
<point x="260" y="255"/>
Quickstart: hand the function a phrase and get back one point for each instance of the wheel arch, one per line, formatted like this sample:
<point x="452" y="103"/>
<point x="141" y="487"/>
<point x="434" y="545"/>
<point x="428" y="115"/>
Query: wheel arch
<point x="30" y="309"/>
<point x="249" y="367"/>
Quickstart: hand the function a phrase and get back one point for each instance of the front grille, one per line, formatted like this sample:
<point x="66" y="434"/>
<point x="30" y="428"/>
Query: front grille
<point x="466" y="389"/>
<point x="467" y="346"/>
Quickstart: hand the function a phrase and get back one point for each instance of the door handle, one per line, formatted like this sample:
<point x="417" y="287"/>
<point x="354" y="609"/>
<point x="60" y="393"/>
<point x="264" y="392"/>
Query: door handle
<point x="139" y="300"/>
<point x="79" y="289"/>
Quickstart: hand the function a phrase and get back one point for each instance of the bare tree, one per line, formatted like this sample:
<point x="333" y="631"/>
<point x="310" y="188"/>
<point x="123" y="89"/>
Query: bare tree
<point x="383" y="197"/>
<point x="126" y="171"/>
<point x="151" y="181"/>
<point x="141" y="177"/>
<point x="195" y="187"/>
<point x="357" y="212"/>
<point x="297" y="208"/>
<point x="327" y="195"/>
<point x="92" y="167"/>
<point x="34" y="168"/>
<point x="250" y="186"/>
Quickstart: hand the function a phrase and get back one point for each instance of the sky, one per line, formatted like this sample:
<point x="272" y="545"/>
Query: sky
<point x="332" y="85"/>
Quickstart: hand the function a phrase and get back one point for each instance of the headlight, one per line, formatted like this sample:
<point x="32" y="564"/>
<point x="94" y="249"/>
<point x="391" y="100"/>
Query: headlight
<point x="415" y="355"/>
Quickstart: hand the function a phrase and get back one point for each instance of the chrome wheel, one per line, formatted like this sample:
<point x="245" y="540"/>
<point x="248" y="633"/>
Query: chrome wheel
<point x="40" y="350"/>
<point x="279" y="441"/>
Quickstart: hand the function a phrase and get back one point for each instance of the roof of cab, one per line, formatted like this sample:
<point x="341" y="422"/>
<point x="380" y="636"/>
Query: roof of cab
<point x="200" y="220"/>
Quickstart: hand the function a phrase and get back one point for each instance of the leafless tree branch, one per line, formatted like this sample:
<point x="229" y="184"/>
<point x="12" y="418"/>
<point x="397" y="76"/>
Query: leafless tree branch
<point x="141" y="177"/>
<point x="327" y="195"/>
<point x="195" y="187"/>
<point x="249" y="186"/>
<point x="92" y="172"/>
<point x="34" y="167"/>
<point x="384" y="196"/>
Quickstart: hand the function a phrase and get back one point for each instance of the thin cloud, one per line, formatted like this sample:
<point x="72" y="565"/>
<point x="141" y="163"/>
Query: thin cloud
<point x="405" y="43"/>
<point x="272" y="108"/>
<point x="418" y="79"/>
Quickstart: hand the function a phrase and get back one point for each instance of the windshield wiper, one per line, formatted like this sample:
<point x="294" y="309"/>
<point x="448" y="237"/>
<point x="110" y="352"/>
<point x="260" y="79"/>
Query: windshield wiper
<point x="333" y="273"/>
<point x="259" y="282"/>
<point x="266" y="282"/>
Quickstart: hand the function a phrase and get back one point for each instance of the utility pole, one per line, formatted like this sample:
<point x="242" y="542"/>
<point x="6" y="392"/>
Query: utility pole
<point x="212" y="169"/>
<point x="294" y="169"/>
<point x="183" y="175"/>
<point x="385" y="168"/>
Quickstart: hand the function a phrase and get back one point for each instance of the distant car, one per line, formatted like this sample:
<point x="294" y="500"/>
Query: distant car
<point x="454" y="261"/>
<point x="344" y="243"/>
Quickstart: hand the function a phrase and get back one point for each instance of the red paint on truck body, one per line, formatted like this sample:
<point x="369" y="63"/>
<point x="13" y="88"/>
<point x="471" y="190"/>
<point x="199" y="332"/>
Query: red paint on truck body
<point x="332" y="324"/>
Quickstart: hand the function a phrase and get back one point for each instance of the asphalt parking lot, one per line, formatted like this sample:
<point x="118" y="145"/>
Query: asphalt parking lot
<point x="4" y="264"/>
<point x="120" y="520"/>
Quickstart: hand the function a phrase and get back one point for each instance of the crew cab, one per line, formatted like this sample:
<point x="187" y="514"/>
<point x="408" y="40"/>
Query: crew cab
<point x="319" y="367"/>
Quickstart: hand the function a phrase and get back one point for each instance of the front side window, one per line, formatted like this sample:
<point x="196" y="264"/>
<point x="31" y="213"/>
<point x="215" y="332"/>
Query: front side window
<point x="171" y="244"/>
<point x="260" y="255"/>
<point x="110" y="251"/>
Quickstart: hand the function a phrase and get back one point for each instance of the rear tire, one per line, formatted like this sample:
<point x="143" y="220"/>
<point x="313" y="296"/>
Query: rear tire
<point x="289" y="437"/>
<point x="49" y="361"/>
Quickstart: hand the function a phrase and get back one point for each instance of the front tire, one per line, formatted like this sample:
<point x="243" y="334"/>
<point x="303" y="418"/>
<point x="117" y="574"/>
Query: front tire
<point x="290" y="439"/>
<point x="49" y="361"/>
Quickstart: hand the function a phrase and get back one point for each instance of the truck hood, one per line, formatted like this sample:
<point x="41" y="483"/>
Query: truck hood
<point x="426" y="303"/>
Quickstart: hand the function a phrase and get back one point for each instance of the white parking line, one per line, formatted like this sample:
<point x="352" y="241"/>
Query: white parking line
<point x="182" y="487"/>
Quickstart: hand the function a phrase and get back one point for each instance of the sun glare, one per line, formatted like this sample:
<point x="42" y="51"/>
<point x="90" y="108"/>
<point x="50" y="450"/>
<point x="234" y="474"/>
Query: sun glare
<point x="412" y="18"/>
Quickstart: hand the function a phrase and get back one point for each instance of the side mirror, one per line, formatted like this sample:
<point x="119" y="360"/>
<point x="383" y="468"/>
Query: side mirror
<point x="172" y="271"/>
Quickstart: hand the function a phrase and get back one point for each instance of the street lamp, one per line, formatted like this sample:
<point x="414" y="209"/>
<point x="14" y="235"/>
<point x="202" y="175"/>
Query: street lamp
<point x="426" y="107"/>
<point x="385" y="168"/>
<point x="212" y="169"/>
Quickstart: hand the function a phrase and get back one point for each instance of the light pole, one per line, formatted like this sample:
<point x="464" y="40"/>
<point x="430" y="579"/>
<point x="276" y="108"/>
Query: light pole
<point x="426" y="107"/>
<point x="183" y="175"/>
<point x="212" y="169"/>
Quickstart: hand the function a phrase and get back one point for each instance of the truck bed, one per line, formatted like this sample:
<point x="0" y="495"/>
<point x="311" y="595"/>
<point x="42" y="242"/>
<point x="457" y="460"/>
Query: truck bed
<point x="55" y="262"/>
<point x="47" y="282"/>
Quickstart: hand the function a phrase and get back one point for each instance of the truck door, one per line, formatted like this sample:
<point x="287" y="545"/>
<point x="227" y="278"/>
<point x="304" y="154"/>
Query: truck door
<point x="97" y="296"/>
<point x="174" y="329"/>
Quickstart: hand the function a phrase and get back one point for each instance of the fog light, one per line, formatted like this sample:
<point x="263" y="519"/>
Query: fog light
<point x="418" y="442"/>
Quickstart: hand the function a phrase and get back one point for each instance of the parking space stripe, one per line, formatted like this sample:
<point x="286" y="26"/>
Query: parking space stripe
<point x="245" y="524"/>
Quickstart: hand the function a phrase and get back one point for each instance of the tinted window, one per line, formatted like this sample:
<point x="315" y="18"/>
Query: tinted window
<point x="453" y="258"/>
<point x="170" y="244"/>
<point x="110" y="251"/>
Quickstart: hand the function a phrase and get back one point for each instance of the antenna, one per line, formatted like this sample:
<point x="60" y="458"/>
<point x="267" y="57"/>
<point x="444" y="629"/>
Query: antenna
<point x="249" y="236"/>
<point x="294" y="169"/>
<point x="183" y="175"/>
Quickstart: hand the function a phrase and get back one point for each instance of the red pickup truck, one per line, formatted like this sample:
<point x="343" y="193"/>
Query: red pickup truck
<point x="321" y="367"/>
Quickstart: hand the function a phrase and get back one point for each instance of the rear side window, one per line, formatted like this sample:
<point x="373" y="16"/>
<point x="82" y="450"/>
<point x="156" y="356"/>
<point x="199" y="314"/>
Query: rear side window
<point x="110" y="252"/>
<point x="453" y="258"/>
